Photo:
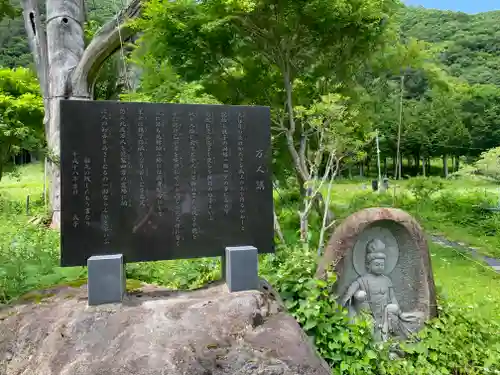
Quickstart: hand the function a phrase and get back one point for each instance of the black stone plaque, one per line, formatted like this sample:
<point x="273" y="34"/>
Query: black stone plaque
<point x="164" y="181"/>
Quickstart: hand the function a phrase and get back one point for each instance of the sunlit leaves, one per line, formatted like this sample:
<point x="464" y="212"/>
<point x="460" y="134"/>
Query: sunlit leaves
<point x="21" y="113"/>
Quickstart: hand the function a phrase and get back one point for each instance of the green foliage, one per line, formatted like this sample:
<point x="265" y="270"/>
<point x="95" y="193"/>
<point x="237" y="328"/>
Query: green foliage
<point x="336" y="124"/>
<point x="21" y="113"/>
<point x="266" y="53"/>
<point x="28" y="253"/>
<point x="467" y="42"/>
<point x="179" y="274"/>
<point x="488" y="165"/>
<point x="7" y="10"/>
<point x="160" y="84"/>
<point x="312" y="303"/>
<point x="423" y="188"/>
<point x="459" y="341"/>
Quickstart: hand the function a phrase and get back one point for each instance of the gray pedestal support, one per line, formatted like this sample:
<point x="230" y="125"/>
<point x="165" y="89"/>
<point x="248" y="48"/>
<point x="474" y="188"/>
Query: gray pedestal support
<point x="242" y="266"/>
<point x="106" y="283"/>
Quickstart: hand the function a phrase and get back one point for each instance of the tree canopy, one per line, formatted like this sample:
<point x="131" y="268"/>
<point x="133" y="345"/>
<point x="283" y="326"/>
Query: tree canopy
<point x="21" y="113"/>
<point x="293" y="55"/>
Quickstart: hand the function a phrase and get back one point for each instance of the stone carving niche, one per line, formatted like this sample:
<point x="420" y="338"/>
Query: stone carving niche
<point x="381" y="258"/>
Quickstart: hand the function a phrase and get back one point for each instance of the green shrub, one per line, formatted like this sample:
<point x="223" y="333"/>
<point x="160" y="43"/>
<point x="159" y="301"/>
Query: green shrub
<point x="488" y="165"/>
<point x="29" y="257"/>
<point x="349" y="347"/>
<point x="176" y="274"/>
<point x="424" y="187"/>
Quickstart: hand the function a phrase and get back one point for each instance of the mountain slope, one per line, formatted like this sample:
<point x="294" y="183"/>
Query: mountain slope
<point x="470" y="44"/>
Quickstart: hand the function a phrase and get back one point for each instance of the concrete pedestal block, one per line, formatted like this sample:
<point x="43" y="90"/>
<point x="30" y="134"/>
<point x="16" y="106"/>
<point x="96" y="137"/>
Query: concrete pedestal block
<point x="242" y="266"/>
<point x="107" y="282"/>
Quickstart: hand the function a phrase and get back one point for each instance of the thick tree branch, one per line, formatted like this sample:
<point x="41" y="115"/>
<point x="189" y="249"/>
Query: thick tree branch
<point x="105" y="42"/>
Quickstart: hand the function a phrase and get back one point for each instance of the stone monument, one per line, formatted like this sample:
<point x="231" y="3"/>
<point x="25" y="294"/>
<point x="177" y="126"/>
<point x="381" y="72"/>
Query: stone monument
<point x="382" y="262"/>
<point x="148" y="181"/>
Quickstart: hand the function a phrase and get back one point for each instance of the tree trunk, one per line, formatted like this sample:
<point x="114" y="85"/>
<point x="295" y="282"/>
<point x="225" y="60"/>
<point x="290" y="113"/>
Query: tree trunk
<point x="445" y="165"/>
<point x="385" y="166"/>
<point x="395" y="166"/>
<point x="65" y="41"/>
<point x="457" y="163"/>
<point x="65" y="68"/>
<point x="417" y="162"/>
<point x="277" y="228"/>
<point x="423" y="165"/>
<point x="361" y="174"/>
<point x="304" y="226"/>
<point x="400" y="169"/>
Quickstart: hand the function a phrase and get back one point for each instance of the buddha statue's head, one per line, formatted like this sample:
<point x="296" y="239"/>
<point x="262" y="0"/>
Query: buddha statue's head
<point x="375" y="256"/>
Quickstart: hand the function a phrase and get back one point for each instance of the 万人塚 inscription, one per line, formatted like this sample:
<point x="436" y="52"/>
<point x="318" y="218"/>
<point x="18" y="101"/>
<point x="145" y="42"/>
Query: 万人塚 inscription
<point x="163" y="181"/>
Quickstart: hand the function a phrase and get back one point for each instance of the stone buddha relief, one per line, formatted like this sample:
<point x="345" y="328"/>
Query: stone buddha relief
<point x="373" y="291"/>
<point x="381" y="259"/>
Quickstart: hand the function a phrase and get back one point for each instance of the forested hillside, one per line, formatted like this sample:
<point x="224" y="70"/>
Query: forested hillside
<point x="469" y="44"/>
<point x="438" y="82"/>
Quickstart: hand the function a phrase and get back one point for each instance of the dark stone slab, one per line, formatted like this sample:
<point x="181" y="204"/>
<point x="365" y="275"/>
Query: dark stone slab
<point x="164" y="181"/>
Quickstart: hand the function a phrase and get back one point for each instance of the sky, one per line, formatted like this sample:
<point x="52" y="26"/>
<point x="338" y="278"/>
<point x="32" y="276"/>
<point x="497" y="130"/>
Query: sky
<point x="467" y="6"/>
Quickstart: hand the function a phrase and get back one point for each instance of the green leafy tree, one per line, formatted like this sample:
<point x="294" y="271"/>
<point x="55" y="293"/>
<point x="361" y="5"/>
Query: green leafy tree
<point x="284" y="54"/>
<point x="7" y="10"/>
<point x="481" y="116"/>
<point x="276" y="53"/>
<point x="21" y="113"/>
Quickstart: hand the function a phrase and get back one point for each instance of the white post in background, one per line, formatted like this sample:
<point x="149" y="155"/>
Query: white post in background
<point x="397" y="172"/>
<point x="378" y="163"/>
<point x="498" y="167"/>
<point x="45" y="182"/>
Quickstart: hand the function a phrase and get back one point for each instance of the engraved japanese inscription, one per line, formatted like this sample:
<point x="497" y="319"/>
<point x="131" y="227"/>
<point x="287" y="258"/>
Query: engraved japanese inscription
<point x="163" y="181"/>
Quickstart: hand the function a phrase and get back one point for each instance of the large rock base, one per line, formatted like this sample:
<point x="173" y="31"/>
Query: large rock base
<point x="204" y="332"/>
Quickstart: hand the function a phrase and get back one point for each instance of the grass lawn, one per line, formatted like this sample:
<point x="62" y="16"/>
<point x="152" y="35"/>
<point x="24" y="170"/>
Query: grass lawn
<point x="28" y="181"/>
<point x="465" y="283"/>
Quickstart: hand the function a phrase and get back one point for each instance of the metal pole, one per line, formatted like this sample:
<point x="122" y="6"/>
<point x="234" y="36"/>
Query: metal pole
<point x="45" y="182"/>
<point x="378" y="162"/>
<point x="498" y="166"/>
<point x="398" y="156"/>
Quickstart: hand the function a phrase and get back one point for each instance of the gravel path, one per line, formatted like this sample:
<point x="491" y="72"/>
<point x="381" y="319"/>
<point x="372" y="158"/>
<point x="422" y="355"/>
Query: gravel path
<point x="492" y="262"/>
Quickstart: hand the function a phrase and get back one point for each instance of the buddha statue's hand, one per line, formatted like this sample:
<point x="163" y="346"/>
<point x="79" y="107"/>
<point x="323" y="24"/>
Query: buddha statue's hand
<point x="360" y="296"/>
<point x="392" y="308"/>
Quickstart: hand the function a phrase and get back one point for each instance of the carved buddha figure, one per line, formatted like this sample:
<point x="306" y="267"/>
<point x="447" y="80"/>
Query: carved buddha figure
<point x="374" y="293"/>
